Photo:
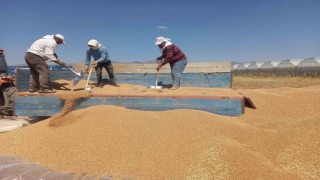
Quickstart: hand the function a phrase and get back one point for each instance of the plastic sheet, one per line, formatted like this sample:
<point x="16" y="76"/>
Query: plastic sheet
<point x="15" y="168"/>
<point x="9" y="124"/>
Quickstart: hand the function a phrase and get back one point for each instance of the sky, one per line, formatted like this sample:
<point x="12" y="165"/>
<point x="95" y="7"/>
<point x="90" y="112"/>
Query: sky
<point x="205" y="30"/>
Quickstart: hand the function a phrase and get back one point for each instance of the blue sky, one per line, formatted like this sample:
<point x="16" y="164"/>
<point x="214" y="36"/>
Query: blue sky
<point x="206" y="30"/>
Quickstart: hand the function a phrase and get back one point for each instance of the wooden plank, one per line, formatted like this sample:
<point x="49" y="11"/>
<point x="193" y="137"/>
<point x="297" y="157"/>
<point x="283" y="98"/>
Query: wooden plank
<point x="50" y="105"/>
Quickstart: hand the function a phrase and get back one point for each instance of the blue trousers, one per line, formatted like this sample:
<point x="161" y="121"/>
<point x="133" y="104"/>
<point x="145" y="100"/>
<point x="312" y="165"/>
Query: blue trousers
<point x="177" y="69"/>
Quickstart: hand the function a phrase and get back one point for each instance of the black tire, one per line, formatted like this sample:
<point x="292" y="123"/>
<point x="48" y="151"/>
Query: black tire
<point x="7" y="93"/>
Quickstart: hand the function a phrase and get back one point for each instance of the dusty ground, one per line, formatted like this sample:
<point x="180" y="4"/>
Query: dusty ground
<point x="278" y="140"/>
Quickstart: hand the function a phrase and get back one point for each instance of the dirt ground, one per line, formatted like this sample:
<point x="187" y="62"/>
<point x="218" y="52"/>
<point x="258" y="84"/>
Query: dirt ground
<point x="278" y="140"/>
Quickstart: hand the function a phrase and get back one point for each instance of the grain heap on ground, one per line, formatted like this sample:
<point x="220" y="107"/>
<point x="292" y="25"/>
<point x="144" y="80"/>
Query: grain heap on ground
<point x="278" y="140"/>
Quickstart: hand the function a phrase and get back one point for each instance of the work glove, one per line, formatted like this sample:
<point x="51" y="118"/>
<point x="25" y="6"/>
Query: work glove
<point x="86" y="70"/>
<point x="159" y="60"/>
<point x="94" y="64"/>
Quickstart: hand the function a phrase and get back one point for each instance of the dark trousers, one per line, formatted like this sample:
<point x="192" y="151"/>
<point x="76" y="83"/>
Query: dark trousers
<point x="39" y="71"/>
<point x="109" y="68"/>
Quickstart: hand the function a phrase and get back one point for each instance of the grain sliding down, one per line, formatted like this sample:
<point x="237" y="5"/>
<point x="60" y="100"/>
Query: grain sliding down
<point x="278" y="140"/>
<point x="70" y="99"/>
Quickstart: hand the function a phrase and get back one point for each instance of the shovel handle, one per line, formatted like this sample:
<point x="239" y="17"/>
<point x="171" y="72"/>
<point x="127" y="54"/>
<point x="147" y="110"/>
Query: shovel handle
<point x="71" y="69"/>
<point x="89" y="77"/>
<point x="157" y="78"/>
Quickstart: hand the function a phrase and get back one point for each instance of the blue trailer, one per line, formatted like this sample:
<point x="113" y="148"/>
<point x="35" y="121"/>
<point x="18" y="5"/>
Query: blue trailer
<point x="216" y="76"/>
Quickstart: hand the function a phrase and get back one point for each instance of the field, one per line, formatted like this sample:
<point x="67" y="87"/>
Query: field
<point x="278" y="140"/>
<point x="254" y="82"/>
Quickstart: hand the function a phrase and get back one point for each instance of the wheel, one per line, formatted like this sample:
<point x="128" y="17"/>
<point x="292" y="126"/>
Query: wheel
<point x="6" y="99"/>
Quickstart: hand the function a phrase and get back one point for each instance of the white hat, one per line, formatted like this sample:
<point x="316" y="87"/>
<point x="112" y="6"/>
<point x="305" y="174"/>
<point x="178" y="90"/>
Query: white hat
<point x="94" y="43"/>
<point x="160" y="40"/>
<point x="60" y="37"/>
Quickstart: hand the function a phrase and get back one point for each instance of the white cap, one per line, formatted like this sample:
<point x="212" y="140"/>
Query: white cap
<point x="160" y="40"/>
<point x="94" y="43"/>
<point x="60" y="37"/>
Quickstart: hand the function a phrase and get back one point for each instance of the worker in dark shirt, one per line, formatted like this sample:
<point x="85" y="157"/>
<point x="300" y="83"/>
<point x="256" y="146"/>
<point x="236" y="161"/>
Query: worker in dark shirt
<point x="174" y="56"/>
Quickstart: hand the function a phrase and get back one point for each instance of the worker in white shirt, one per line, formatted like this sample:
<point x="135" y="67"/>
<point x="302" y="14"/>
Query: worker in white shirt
<point x="41" y="51"/>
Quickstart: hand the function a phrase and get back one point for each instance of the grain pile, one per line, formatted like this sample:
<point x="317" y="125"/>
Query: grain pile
<point x="70" y="99"/>
<point x="138" y="90"/>
<point x="279" y="140"/>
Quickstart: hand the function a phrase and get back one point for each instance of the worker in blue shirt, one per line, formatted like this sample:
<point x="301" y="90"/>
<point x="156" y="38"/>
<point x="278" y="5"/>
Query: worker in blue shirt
<point x="101" y="60"/>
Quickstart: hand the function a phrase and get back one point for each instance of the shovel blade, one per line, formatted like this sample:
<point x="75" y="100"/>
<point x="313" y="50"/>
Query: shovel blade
<point x="77" y="79"/>
<point x="156" y="87"/>
<point x="89" y="89"/>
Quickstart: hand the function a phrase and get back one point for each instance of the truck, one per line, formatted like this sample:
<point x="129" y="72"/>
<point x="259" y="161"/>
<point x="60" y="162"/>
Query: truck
<point x="7" y="87"/>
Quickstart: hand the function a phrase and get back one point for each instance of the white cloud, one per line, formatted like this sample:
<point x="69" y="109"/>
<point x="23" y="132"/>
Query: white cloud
<point x="162" y="27"/>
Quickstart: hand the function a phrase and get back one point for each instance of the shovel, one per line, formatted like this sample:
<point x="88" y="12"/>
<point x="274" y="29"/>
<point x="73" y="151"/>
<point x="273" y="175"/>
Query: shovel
<point x="156" y="86"/>
<point x="88" y="88"/>
<point x="78" y="76"/>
